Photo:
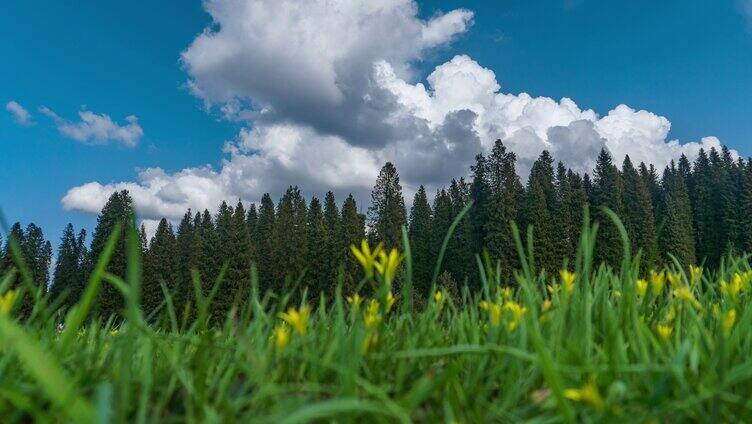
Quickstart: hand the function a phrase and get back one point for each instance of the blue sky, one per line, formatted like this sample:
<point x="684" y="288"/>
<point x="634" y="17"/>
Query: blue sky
<point x="690" y="62"/>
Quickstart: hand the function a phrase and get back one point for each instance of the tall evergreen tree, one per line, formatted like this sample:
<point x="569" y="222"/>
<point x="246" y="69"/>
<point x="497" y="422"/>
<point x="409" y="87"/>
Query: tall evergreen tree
<point x="118" y="209"/>
<point x="676" y="235"/>
<point x="264" y="243"/>
<point x="38" y="254"/>
<point x="539" y="207"/>
<point x="387" y="213"/>
<point x="608" y="191"/>
<point x="209" y="264"/>
<point x="638" y="216"/>
<point x="353" y="231"/>
<point x="290" y="242"/>
<point x="188" y="250"/>
<point x="160" y="266"/>
<point x="67" y="274"/>
<point x="317" y="262"/>
<point x="335" y="247"/>
<point x="480" y="193"/>
<point x="461" y="260"/>
<point x="504" y="207"/>
<point x="421" y="243"/>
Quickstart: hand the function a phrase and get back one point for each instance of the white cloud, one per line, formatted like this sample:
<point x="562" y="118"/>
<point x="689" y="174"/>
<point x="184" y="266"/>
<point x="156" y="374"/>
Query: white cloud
<point x="19" y="113"/>
<point x="330" y="93"/>
<point x="97" y="128"/>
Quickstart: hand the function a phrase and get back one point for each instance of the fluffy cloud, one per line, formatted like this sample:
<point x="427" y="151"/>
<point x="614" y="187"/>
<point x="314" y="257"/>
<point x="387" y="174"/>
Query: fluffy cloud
<point x="97" y="128"/>
<point x="19" y="113"/>
<point x="329" y="93"/>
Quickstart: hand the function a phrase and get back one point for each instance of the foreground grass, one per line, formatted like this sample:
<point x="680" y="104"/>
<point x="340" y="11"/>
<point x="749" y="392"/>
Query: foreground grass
<point x="590" y="345"/>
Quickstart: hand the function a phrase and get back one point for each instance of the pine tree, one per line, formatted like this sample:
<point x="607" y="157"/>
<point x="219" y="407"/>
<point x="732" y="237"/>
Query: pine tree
<point x="290" y="242"/>
<point x="188" y="245"/>
<point x="442" y="219"/>
<point x="504" y="207"/>
<point x="224" y="256"/>
<point x="239" y="270"/>
<point x="263" y="243"/>
<point x="251" y="222"/>
<point x="67" y="272"/>
<point x="16" y="233"/>
<point x="540" y="205"/>
<point x="209" y="263"/>
<point x="480" y="193"/>
<point x="118" y="209"/>
<point x="38" y="254"/>
<point x="677" y="234"/>
<point x="387" y="213"/>
<point x="160" y="266"/>
<point x="564" y="222"/>
<point x="421" y="243"/>
<point x="353" y="231"/>
<point x="746" y="207"/>
<point x="335" y="247"/>
<point x="608" y="191"/>
<point x="638" y="217"/>
<point x="461" y="260"/>
<point x="317" y="274"/>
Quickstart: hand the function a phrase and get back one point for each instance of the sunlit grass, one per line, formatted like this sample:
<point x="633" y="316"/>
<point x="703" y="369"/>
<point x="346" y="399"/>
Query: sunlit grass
<point x="588" y="343"/>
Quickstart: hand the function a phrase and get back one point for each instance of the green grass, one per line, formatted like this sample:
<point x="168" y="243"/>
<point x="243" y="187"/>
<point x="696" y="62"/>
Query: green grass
<point x="595" y="355"/>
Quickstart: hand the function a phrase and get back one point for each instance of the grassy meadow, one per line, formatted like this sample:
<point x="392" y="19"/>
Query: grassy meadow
<point x="591" y="344"/>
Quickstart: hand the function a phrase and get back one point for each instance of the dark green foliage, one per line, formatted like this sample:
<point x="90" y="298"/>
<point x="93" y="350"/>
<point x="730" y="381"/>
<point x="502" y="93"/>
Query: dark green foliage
<point x="160" y="266"/>
<point x="189" y="251"/>
<point x="336" y="249"/>
<point x="70" y="267"/>
<point x="387" y="213"/>
<point x="317" y="277"/>
<point x="677" y="234"/>
<point x="289" y="241"/>
<point x="608" y="191"/>
<point x="504" y="207"/>
<point x="421" y="242"/>
<point x="459" y="260"/>
<point x="480" y="193"/>
<point x="353" y="231"/>
<point x="263" y="242"/>
<point x="118" y="209"/>
<point x="539" y="209"/>
<point x="638" y="216"/>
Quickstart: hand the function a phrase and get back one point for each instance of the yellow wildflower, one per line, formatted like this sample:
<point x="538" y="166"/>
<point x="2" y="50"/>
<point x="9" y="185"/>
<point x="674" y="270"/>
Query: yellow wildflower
<point x="387" y="265"/>
<point x="440" y="298"/>
<point x="671" y="314"/>
<point x="729" y="319"/>
<point x="355" y="300"/>
<point x="494" y="311"/>
<point x="732" y="289"/>
<point x="657" y="281"/>
<point x="114" y="332"/>
<point x="586" y="394"/>
<point x="642" y="287"/>
<point x="695" y="274"/>
<point x="297" y="318"/>
<point x="674" y="278"/>
<point x="567" y="280"/>
<point x="389" y="301"/>
<point x="506" y="293"/>
<point x="553" y="288"/>
<point x="281" y="337"/>
<point x="517" y="312"/>
<point x="372" y="316"/>
<point x="365" y="256"/>
<point x="546" y="306"/>
<point x="6" y="302"/>
<point x="685" y="294"/>
<point x="664" y="331"/>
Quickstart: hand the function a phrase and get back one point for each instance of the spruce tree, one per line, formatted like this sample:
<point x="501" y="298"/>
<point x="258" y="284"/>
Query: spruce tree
<point x="160" y="266"/>
<point x="118" y="209"/>
<point x="335" y="247"/>
<point x="67" y="272"/>
<point x="608" y="191"/>
<point x="677" y="234"/>
<point x="564" y="222"/>
<point x="209" y="264"/>
<point x="459" y="258"/>
<point x="353" y="231"/>
<point x="263" y="243"/>
<point x="317" y="262"/>
<point x="539" y="207"/>
<point x="504" y="207"/>
<point x="290" y="242"/>
<point x="638" y="217"/>
<point x="387" y="213"/>
<point x="188" y="245"/>
<point x="442" y="219"/>
<point x="480" y="193"/>
<point x="38" y="254"/>
<point x="421" y="243"/>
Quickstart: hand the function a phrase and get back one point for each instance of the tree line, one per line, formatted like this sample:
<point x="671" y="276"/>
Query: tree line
<point x="696" y="212"/>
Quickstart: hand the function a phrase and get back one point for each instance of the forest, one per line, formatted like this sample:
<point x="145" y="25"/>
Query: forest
<point x="694" y="212"/>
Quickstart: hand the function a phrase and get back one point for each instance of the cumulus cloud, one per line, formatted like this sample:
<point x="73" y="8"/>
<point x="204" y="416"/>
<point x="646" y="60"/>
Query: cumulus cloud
<point x="329" y="91"/>
<point x="19" y="113"/>
<point x="95" y="128"/>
